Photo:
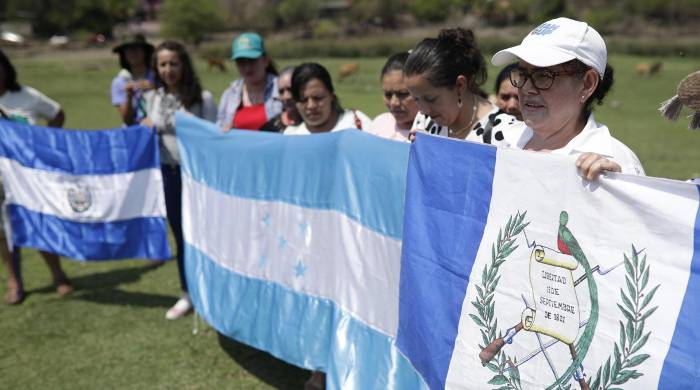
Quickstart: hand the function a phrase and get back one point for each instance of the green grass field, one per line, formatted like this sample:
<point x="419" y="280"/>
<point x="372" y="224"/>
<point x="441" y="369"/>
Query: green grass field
<point x="111" y="334"/>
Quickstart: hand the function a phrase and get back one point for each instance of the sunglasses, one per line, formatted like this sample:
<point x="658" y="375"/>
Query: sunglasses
<point x="542" y="79"/>
<point x="284" y="89"/>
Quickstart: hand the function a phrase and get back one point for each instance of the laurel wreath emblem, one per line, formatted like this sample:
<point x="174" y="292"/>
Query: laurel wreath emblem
<point x="635" y="309"/>
<point x="506" y="375"/>
<point x="635" y="300"/>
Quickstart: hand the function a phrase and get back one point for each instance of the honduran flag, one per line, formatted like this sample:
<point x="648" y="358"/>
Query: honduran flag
<point x="518" y="274"/>
<point x="293" y="246"/>
<point x="87" y="195"/>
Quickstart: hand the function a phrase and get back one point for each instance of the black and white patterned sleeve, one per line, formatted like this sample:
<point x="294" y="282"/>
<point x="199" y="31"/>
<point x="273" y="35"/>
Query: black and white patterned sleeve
<point x="426" y="124"/>
<point x="499" y="128"/>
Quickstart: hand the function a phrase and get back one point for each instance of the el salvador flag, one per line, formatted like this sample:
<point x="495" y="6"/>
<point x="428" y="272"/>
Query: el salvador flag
<point x="518" y="274"/>
<point x="87" y="195"/>
<point x="293" y="247"/>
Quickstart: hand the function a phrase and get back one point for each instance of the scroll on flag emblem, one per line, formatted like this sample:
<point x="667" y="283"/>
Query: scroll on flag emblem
<point x="516" y="273"/>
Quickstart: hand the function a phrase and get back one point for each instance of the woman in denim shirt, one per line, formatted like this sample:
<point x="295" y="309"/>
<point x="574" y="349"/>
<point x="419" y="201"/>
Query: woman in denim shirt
<point x="251" y="101"/>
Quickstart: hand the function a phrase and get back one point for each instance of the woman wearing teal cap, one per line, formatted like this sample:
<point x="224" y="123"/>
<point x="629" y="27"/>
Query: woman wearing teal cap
<point x="251" y="101"/>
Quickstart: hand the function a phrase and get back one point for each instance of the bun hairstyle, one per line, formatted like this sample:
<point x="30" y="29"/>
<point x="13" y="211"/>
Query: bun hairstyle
<point x="604" y="85"/>
<point x="441" y="60"/>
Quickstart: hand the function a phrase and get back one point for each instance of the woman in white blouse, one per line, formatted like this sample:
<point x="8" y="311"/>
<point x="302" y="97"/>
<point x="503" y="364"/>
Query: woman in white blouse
<point x="318" y="105"/>
<point x="177" y="89"/>
<point x="562" y="72"/>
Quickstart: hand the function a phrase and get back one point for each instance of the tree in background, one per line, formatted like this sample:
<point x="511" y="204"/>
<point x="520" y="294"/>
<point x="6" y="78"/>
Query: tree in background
<point x="433" y="11"/>
<point x="299" y="12"/>
<point x="191" y="20"/>
<point x="381" y="13"/>
<point x="51" y="17"/>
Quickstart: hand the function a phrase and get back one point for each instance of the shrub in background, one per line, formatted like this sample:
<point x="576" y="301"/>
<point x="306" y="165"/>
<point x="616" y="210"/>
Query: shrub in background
<point x="190" y="20"/>
<point x="433" y="11"/>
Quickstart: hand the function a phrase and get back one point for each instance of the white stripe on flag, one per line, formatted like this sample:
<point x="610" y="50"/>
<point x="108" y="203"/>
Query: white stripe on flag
<point x="608" y="218"/>
<point x="84" y="198"/>
<point x="321" y="253"/>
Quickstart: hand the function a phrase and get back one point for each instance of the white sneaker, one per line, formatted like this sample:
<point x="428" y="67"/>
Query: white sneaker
<point x="179" y="309"/>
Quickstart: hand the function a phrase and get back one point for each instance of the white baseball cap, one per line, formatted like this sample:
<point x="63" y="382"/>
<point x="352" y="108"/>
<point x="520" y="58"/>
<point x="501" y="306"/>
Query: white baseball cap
<point x="557" y="41"/>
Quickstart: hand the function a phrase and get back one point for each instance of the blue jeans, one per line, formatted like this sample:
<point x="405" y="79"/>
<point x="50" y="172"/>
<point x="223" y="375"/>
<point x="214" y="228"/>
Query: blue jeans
<point x="172" y="187"/>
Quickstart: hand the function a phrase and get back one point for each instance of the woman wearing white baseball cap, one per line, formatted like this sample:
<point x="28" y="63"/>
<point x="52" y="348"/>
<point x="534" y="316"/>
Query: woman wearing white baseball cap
<point x="562" y="72"/>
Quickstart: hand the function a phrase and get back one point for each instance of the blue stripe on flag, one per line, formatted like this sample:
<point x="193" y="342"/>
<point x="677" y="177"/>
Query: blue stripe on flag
<point x="435" y="273"/>
<point x="307" y="331"/>
<point x="682" y="364"/>
<point x="139" y="237"/>
<point x="328" y="182"/>
<point x="79" y="152"/>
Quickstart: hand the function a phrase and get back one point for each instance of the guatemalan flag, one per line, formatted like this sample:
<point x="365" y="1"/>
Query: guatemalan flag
<point x="518" y="274"/>
<point x="293" y="246"/>
<point x="87" y="195"/>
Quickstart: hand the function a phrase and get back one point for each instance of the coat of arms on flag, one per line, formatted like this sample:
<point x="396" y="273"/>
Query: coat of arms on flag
<point x="87" y="195"/>
<point x="518" y="274"/>
<point x="552" y="309"/>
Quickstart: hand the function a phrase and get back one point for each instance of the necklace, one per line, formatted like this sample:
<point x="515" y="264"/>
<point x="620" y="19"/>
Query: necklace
<point x="461" y="133"/>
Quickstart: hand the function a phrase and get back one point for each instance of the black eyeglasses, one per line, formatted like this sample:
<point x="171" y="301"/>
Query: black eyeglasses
<point x="284" y="89"/>
<point x="542" y="79"/>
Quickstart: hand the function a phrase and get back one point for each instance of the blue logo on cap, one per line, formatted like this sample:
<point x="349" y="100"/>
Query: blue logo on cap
<point x="545" y="29"/>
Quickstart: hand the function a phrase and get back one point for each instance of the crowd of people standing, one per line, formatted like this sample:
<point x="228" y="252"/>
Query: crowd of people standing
<point x="543" y="102"/>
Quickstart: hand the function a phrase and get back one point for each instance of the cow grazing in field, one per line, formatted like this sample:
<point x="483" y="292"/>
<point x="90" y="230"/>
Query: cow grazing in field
<point x="347" y="70"/>
<point x="217" y="63"/>
<point x="648" y="69"/>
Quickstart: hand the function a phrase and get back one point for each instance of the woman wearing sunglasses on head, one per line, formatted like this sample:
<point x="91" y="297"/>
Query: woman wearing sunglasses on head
<point x="562" y="72"/>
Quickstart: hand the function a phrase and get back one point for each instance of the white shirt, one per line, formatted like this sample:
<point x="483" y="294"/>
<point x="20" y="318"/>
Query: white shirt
<point x="385" y="126"/>
<point x="345" y="121"/>
<point x="28" y="105"/>
<point x="160" y="109"/>
<point x="496" y="128"/>
<point x="595" y="138"/>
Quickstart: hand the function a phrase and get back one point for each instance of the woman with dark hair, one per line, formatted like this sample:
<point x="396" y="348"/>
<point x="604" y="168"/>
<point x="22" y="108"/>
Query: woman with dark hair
<point x="289" y="115"/>
<point x="563" y="71"/>
<point x="251" y="101"/>
<point x="25" y="104"/>
<point x="177" y="88"/>
<point x="395" y="124"/>
<point x="318" y="105"/>
<point x="506" y="94"/>
<point x="444" y="76"/>
<point x="133" y="79"/>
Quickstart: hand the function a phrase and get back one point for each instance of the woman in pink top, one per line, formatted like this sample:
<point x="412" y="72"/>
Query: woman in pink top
<point x="396" y="123"/>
